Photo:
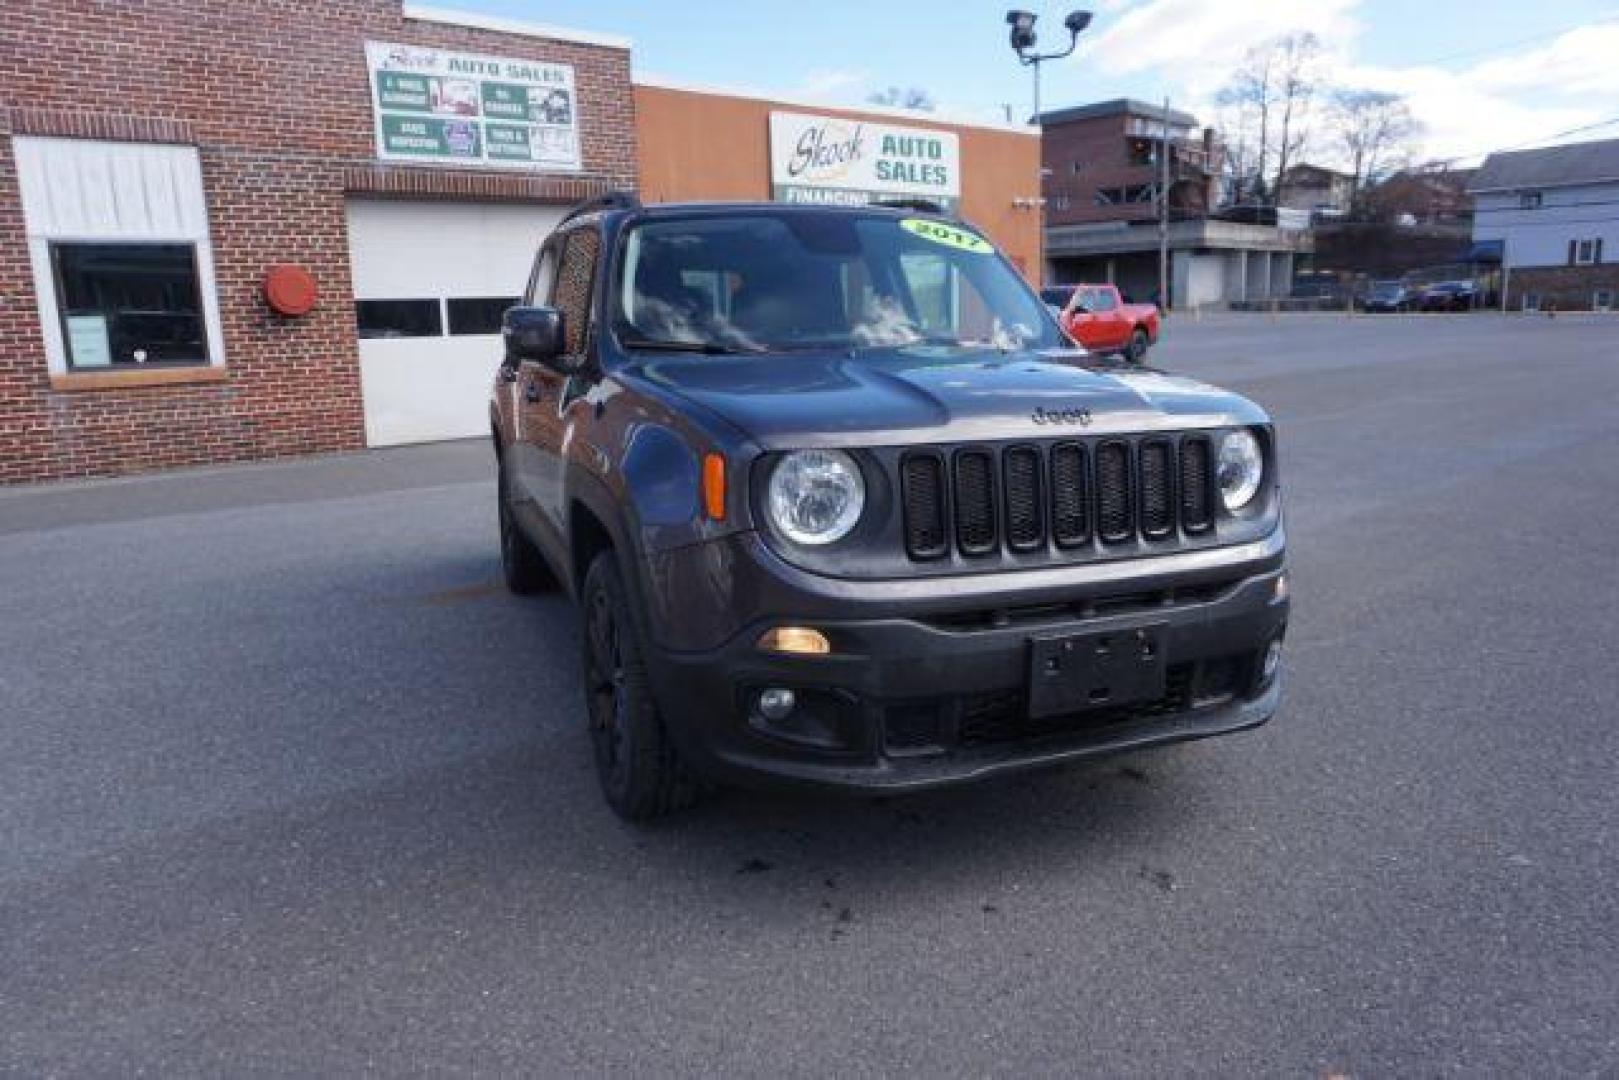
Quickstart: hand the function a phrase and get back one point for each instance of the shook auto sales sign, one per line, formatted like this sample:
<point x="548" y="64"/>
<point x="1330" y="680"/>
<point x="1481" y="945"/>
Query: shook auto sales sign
<point x="827" y="159"/>
<point x="449" y="108"/>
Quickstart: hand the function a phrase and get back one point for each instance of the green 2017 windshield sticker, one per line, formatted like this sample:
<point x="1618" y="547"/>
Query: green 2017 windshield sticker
<point x="948" y="235"/>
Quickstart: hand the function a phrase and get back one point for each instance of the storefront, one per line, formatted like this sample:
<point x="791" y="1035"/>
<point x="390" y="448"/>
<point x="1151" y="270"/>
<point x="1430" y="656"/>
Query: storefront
<point x="275" y="229"/>
<point x="272" y="230"/>
<point x="702" y="143"/>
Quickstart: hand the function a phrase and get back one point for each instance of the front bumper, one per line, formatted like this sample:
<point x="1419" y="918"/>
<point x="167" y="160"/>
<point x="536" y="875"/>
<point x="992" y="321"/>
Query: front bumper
<point x="927" y="691"/>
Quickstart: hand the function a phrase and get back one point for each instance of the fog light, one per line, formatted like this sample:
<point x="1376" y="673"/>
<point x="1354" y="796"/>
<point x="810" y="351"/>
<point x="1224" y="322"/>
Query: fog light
<point x="777" y="703"/>
<point x="802" y="640"/>
<point x="1273" y="660"/>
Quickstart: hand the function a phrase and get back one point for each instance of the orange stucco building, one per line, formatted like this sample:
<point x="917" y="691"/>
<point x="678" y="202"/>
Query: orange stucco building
<point x="699" y="144"/>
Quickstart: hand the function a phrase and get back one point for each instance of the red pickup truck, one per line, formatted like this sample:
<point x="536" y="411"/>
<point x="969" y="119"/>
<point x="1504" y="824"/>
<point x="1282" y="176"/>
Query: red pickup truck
<point x="1097" y="317"/>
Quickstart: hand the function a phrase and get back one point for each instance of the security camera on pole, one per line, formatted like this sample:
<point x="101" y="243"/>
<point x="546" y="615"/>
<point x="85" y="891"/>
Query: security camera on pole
<point x="1023" y="41"/>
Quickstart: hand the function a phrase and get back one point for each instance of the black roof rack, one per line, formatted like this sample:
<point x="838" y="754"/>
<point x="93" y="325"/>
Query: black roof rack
<point x="925" y="206"/>
<point x="613" y="200"/>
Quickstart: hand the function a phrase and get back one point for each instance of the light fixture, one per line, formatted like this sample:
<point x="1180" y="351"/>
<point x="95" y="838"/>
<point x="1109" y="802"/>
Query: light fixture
<point x="798" y="640"/>
<point x="777" y="703"/>
<point x="1022" y="24"/>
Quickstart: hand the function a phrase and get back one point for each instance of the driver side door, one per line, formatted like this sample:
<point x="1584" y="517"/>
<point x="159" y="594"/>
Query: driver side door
<point x="548" y="394"/>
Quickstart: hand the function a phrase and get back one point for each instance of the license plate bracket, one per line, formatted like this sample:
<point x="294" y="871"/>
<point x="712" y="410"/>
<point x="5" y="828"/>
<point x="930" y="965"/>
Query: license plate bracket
<point x="1095" y="669"/>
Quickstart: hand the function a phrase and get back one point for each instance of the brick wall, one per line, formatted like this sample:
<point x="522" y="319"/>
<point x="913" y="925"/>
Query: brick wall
<point x="274" y="94"/>
<point x="1099" y="147"/>
<point x="1564" y="288"/>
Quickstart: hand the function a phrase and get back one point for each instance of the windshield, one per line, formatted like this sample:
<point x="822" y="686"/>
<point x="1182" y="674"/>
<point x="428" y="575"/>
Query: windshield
<point x="761" y="281"/>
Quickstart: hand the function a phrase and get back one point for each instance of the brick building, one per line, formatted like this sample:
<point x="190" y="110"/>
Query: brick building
<point x="251" y="228"/>
<point x="1103" y="173"/>
<point x="157" y="160"/>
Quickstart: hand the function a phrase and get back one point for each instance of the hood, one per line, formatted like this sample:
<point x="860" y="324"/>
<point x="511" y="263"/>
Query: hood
<point x="925" y="395"/>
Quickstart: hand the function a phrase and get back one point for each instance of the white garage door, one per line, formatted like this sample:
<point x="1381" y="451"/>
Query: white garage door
<point x="430" y="282"/>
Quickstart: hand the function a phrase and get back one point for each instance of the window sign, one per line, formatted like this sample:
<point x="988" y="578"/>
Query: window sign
<point x="88" y="342"/>
<point x="828" y="159"/>
<point x="451" y="108"/>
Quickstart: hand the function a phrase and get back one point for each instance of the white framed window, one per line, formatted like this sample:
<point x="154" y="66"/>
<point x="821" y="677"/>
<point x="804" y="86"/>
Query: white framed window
<point x="1530" y="200"/>
<point x="1587" y="252"/>
<point x="1531" y="301"/>
<point x="122" y="264"/>
<point x="1602" y="300"/>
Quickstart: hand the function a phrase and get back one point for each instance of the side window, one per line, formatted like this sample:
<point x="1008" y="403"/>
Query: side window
<point x="1104" y="300"/>
<point x="575" y="281"/>
<point x="539" y="282"/>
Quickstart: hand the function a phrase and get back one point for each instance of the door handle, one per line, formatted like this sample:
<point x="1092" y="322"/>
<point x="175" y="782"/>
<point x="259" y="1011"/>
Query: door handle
<point x="531" y="392"/>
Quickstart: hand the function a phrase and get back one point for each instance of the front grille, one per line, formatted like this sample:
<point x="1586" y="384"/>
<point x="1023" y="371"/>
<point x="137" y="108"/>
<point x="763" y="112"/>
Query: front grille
<point x="979" y="500"/>
<point x="927" y="532"/>
<point x="975" y="502"/>
<point x="1025" y="512"/>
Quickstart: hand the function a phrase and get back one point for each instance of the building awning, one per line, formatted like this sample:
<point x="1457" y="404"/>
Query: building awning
<point x="1485" y="251"/>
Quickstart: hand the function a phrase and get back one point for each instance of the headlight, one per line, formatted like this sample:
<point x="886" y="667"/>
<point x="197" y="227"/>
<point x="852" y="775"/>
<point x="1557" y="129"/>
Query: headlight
<point x="816" y="496"/>
<point x="1240" y="469"/>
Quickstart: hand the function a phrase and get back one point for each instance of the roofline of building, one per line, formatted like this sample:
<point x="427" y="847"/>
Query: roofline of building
<point x="1116" y="107"/>
<point x="1585" y="181"/>
<point x="942" y="119"/>
<point x="522" y="27"/>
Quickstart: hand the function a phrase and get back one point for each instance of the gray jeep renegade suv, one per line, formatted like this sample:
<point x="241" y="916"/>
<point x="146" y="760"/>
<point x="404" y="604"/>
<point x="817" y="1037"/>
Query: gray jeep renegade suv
<point x="842" y="506"/>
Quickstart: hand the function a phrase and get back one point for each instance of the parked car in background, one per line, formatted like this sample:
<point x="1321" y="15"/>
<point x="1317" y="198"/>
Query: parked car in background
<point x="1102" y="320"/>
<point x="1388" y="296"/>
<point x="1448" y="296"/>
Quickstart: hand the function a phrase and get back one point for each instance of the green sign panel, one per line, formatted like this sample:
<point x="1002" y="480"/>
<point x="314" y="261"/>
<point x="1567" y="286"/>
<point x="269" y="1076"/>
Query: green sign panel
<point x="459" y="108"/>
<point x="407" y="92"/>
<point x="426" y="136"/>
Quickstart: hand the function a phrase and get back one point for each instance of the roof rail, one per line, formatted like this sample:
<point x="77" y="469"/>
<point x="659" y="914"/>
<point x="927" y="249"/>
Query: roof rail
<point x="613" y="200"/>
<point x="924" y="206"/>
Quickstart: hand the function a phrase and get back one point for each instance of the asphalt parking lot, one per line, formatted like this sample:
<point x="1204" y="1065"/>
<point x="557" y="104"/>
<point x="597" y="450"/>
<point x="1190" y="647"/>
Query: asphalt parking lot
<point x="289" y="784"/>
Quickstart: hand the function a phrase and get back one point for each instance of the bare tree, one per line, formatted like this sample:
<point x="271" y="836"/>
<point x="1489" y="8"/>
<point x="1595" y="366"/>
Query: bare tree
<point x="1245" y="105"/>
<point x="903" y="97"/>
<point x="1296" y="60"/>
<point x="1237" y="126"/>
<point x="1375" y="129"/>
<point x="1266" y="107"/>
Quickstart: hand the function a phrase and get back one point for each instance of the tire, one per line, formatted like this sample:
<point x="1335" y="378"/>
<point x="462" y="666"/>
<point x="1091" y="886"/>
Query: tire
<point x="641" y="775"/>
<point x="521" y="563"/>
<point x="1136" y="350"/>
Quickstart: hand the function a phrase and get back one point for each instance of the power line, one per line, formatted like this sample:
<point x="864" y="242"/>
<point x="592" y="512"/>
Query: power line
<point x="1609" y="122"/>
<point x="1504" y="46"/>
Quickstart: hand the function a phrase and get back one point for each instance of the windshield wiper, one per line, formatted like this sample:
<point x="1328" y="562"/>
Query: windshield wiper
<point x="707" y="348"/>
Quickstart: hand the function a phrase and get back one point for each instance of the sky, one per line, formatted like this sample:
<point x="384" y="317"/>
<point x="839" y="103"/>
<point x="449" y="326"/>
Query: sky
<point x="1478" y="75"/>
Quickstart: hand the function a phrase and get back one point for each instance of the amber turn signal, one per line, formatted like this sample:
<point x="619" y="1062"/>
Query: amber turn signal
<point x="714" y="486"/>
<point x="803" y="640"/>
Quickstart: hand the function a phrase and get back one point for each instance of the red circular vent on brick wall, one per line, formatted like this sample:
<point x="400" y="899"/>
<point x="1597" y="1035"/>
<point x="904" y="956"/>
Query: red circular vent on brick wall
<point x="290" y="290"/>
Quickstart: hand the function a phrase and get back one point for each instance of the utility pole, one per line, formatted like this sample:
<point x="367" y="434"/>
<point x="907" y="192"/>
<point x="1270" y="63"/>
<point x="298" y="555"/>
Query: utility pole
<point x="1163" y="212"/>
<point x="1506" y="274"/>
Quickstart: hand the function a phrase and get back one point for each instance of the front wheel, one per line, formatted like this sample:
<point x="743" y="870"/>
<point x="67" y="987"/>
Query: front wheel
<point x="641" y="776"/>
<point x="1136" y="350"/>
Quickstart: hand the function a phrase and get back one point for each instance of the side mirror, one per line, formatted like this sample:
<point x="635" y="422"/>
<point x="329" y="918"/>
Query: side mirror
<point x="531" y="333"/>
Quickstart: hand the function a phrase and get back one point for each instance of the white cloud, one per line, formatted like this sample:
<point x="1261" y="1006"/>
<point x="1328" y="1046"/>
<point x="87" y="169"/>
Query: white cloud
<point x="843" y="84"/>
<point x="1189" y="48"/>
<point x="1194" y="44"/>
<point x="1506" y="101"/>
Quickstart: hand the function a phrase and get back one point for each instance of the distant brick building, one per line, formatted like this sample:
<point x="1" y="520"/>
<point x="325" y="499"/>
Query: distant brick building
<point x="1103" y="174"/>
<point x="157" y="159"/>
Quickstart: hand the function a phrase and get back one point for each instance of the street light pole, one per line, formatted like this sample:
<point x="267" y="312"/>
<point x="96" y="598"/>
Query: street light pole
<point x="1023" y="41"/>
<point x="1163" y="211"/>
